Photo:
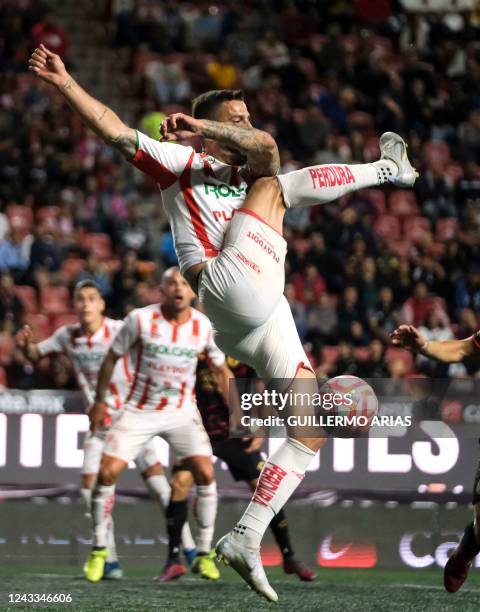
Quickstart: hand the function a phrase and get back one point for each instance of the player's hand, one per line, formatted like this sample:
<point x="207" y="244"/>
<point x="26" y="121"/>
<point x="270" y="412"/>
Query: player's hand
<point x="255" y="444"/>
<point x="48" y="66"/>
<point x="97" y="416"/>
<point x="24" y="337"/>
<point x="408" y="337"/>
<point x="179" y="127"/>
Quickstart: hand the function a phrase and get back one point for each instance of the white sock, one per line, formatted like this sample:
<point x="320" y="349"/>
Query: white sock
<point x="103" y="499"/>
<point x="86" y="495"/>
<point x="322" y="184"/>
<point x="281" y="475"/>
<point x="160" y="490"/>
<point x="111" y="546"/>
<point x="205" y="510"/>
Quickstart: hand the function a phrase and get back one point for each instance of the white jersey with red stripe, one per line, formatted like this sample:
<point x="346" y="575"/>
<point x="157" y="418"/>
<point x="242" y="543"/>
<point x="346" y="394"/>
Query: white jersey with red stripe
<point x="87" y="352"/>
<point x="167" y="356"/>
<point x="200" y="195"/>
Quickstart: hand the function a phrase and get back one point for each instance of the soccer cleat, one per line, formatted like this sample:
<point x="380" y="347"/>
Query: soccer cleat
<point x="190" y="555"/>
<point x="95" y="565"/>
<point x="247" y="563"/>
<point x="393" y="147"/>
<point x="293" y="566"/>
<point x="204" y="565"/>
<point x="172" y="571"/>
<point x="112" y="571"/>
<point x="456" y="570"/>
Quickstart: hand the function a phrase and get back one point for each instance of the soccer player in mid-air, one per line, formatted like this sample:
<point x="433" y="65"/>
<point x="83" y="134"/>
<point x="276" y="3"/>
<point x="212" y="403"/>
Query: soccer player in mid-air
<point x="235" y="262"/>
<point x="86" y="344"/>
<point x="450" y="351"/>
<point x="167" y="338"/>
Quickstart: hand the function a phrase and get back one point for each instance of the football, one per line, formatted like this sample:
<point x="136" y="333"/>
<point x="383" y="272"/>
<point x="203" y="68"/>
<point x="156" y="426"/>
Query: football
<point x="351" y="399"/>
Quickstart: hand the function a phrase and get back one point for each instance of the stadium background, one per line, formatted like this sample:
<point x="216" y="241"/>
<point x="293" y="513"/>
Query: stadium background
<point x="325" y="78"/>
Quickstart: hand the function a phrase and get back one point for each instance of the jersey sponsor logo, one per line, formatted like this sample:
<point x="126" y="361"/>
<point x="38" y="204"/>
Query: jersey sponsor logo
<point x="361" y="554"/>
<point x="330" y="176"/>
<point x="90" y="357"/>
<point x="153" y="349"/>
<point x="222" y="215"/>
<point x="264" y="245"/>
<point x="224" y="191"/>
<point x="268" y="483"/>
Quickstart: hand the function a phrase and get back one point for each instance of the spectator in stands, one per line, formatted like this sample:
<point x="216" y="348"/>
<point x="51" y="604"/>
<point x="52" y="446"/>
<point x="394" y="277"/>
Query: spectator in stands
<point x="322" y="321"/>
<point x="346" y="362"/>
<point x="133" y="231"/>
<point x="46" y="256"/>
<point x="169" y="82"/>
<point x="433" y="328"/>
<point x="124" y="282"/>
<point x="375" y="366"/>
<point x="298" y="310"/>
<point x="49" y="33"/>
<point x="97" y="271"/>
<point x="12" y="310"/>
<point x="222" y="71"/>
<point x="350" y="318"/>
<point x="308" y="284"/>
<point x="12" y="254"/>
<point x="467" y="289"/>
<point x="417" y="307"/>
<point x="383" y="318"/>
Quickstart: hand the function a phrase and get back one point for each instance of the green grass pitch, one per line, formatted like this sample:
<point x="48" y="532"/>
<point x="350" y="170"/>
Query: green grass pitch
<point x="333" y="591"/>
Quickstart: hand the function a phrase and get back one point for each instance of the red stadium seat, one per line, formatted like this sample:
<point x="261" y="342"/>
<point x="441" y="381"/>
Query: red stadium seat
<point x="362" y="353"/>
<point x="20" y="217"/>
<point x="40" y="325"/>
<point x="454" y="172"/>
<point x="377" y="198"/>
<point x="99" y="244"/>
<point x="415" y="228"/>
<point x="72" y="266"/>
<point x="28" y="295"/>
<point x="400" y="247"/>
<point x="3" y="377"/>
<point x="402" y="203"/>
<point x="64" y="319"/>
<point x="436" y="151"/>
<point x="388" y="227"/>
<point x="55" y="300"/>
<point x="7" y="345"/>
<point x="446" y="229"/>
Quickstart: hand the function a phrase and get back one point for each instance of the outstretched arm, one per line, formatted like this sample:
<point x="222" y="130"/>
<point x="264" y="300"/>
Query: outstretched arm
<point x="257" y="146"/>
<point x="448" y="351"/>
<point x="99" y="118"/>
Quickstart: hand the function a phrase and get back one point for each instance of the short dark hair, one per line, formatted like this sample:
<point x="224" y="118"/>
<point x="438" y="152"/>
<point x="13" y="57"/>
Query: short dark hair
<point x="87" y="283"/>
<point x="204" y="105"/>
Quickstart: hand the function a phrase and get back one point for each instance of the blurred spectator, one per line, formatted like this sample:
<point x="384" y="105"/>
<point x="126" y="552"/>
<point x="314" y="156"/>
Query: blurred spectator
<point x="49" y="33"/>
<point x="133" y="230"/>
<point x="124" y="283"/>
<point x="322" y="320"/>
<point x="350" y="317"/>
<point x="298" y="310"/>
<point x="12" y="253"/>
<point x="383" y="318"/>
<point x="433" y="328"/>
<point x="223" y="72"/>
<point x="12" y="310"/>
<point x="376" y="365"/>
<point x="417" y="307"/>
<point x="467" y="289"/>
<point x="346" y="362"/>
<point x="96" y="271"/>
<point x="46" y="255"/>
<point x="169" y="82"/>
<point x="308" y="284"/>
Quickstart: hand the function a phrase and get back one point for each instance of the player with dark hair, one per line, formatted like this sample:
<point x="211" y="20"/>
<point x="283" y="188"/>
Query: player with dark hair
<point x="86" y="343"/>
<point x="450" y="351"/>
<point x="231" y="250"/>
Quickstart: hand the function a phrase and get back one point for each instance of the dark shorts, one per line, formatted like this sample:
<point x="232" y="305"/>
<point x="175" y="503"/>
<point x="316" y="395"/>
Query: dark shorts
<point x="242" y="465"/>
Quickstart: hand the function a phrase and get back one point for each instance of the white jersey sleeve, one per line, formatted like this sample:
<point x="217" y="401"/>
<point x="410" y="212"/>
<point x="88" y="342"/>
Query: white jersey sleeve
<point x="213" y="353"/>
<point x="127" y="335"/>
<point x="54" y="344"/>
<point x="163" y="161"/>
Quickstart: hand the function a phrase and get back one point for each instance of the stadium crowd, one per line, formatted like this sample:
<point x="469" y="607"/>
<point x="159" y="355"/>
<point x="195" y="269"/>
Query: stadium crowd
<point x="70" y="208"/>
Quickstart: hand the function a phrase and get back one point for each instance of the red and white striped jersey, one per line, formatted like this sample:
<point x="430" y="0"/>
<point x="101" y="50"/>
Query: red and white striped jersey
<point x="87" y="352"/>
<point x="199" y="194"/>
<point x="167" y="356"/>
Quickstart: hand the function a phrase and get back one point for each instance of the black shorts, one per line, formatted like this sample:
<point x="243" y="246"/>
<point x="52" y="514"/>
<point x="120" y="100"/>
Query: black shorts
<point x="242" y="465"/>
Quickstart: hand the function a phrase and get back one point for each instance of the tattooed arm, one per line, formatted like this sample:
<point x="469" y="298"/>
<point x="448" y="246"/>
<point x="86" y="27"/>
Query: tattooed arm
<point x="99" y="118"/>
<point x="257" y="146"/>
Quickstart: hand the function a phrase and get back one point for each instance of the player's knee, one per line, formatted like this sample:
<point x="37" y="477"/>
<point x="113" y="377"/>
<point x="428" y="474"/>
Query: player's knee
<point x="204" y="474"/>
<point x="107" y="475"/>
<point x="179" y="488"/>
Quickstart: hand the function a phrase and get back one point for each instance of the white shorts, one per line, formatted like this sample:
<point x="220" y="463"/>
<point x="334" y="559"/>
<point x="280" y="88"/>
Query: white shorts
<point x="242" y="292"/>
<point x="94" y="447"/>
<point x="135" y="428"/>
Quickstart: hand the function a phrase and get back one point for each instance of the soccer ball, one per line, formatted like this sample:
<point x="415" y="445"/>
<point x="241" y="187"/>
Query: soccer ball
<point x="354" y="401"/>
